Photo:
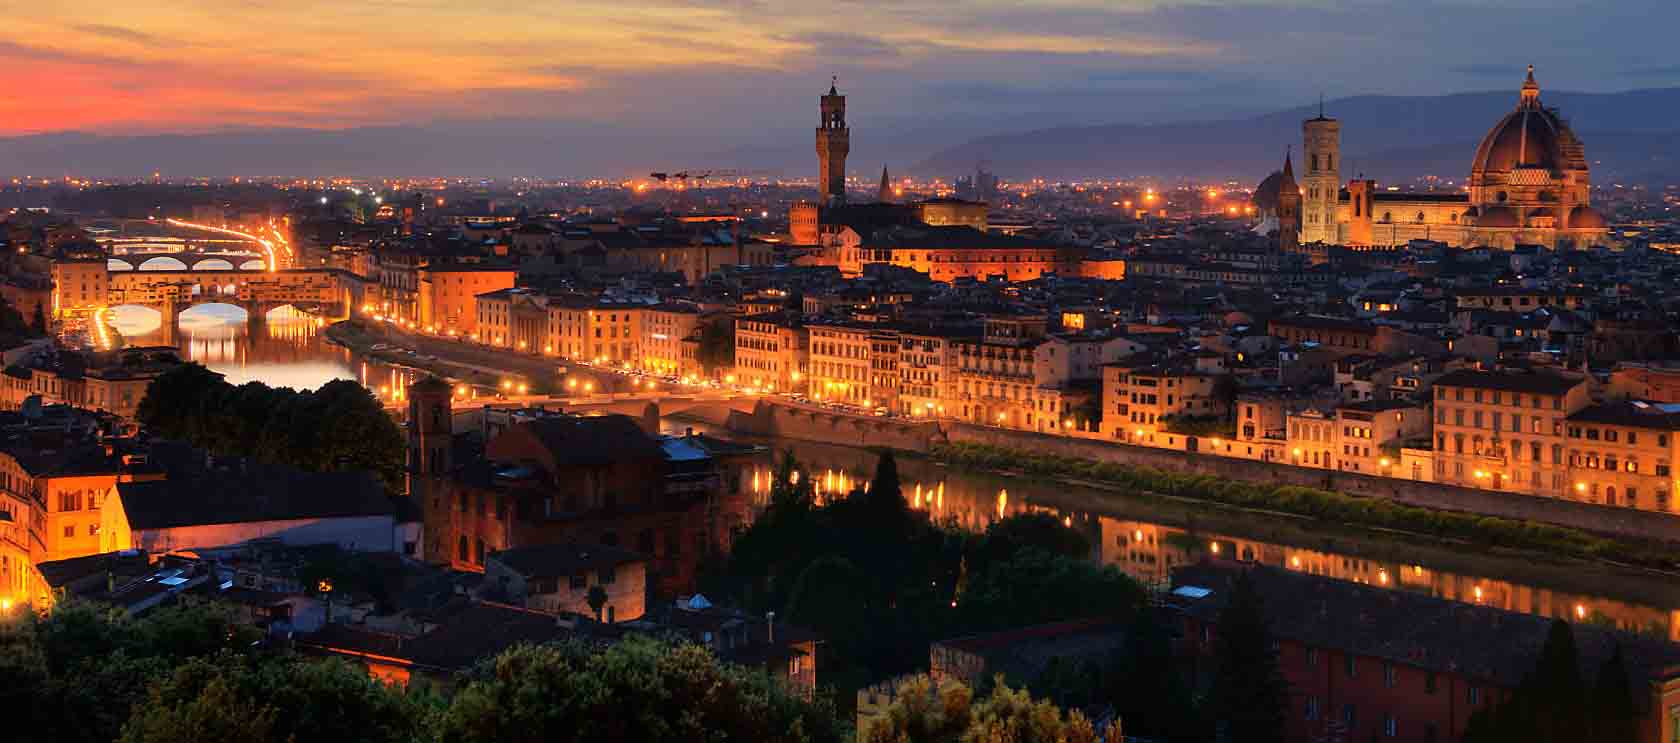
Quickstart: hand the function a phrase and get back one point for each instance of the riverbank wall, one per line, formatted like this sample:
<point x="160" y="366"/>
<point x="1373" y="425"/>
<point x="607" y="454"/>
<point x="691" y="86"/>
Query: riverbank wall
<point x="773" y="419"/>
<point x="770" y="419"/>
<point x="1610" y="520"/>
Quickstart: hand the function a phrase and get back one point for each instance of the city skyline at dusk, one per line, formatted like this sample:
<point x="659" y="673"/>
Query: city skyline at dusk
<point x="719" y="70"/>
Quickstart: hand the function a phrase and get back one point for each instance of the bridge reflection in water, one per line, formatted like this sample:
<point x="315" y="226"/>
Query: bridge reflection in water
<point x="284" y="349"/>
<point x="1148" y="549"/>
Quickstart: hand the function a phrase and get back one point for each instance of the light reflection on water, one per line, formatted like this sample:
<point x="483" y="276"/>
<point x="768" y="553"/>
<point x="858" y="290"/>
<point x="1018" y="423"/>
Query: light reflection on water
<point x="1148" y="550"/>
<point x="287" y="352"/>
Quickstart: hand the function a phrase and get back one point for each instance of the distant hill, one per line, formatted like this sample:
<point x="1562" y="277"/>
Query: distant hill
<point x="1629" y="135"/>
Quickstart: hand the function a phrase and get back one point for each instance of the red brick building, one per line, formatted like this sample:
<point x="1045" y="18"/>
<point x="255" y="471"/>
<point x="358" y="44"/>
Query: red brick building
<point x="1370" y="663"/>
<point x="561" y="478"/>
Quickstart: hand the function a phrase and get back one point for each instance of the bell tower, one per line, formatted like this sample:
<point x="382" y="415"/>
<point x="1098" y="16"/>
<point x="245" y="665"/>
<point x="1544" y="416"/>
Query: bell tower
<point x="430" y="429"/>
<point x="1289" y="209"/>
<point x="1321" y="150"/>
<point x="834" y="142"/>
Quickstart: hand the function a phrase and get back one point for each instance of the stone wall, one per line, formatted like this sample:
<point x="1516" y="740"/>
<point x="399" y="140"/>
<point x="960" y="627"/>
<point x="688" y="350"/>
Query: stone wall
<point x="804" y="423"/>
<point x="1626" y="522"/>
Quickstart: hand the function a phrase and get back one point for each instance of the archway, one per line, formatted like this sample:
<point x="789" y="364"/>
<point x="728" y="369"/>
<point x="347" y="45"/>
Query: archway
<point x="163" y="263"/>
<point x="133" y="320"/>
<point x="255" y="264"/>
<point x="115" y="264"/>
<point x="213" y="264"/>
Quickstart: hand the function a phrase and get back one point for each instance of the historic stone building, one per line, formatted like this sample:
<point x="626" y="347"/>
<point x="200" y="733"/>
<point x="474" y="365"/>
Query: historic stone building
<point x="1529" y="184"/>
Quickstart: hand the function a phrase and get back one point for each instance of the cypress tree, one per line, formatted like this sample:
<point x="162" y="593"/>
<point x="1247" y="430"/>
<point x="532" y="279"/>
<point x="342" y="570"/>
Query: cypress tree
<point x="1249" y="695"/>
<point x="1611" y="718"/>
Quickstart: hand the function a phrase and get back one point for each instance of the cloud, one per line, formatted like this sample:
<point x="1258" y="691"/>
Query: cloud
<point x="121" y="33"/>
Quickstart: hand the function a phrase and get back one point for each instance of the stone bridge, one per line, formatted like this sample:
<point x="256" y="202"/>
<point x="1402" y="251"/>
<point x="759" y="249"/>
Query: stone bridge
<point x="192" y="261"/>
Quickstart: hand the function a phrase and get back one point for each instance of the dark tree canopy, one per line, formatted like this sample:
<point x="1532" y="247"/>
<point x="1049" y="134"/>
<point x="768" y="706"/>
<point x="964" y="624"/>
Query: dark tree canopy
<point x="1249" y="695"/>
<point x="340" y="426"/>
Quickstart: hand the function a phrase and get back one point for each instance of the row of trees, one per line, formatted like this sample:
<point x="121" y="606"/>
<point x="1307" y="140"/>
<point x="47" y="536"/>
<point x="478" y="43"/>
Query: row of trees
<point x="191" y="675"/>
<point x="1553" y="704"/>
<point x="340" y="426"/>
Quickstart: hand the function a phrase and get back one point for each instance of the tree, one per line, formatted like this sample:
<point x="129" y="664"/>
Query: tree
<point x="1145" y="686"/>
<point x="717" y="345"/>
<point x="40" y="322"/>
<point x="340" y="426"/>
<point x="597" y="599"/>
<point x="1554" y="688"/>
<point x="1248" y="696"/>
<point x="922" y="713"/>
<point x="637" y="689"/>
<point x="832" y="597"/>
<point x="1040" y="531"/>
<point x="1035" y="587"/>
<point x="245" y="699"/>
<point x="1613" y="718"/>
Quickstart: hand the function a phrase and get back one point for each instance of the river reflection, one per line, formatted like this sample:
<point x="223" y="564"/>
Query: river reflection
<point x="1147" y="541"/>
<point x="287" y="348"/>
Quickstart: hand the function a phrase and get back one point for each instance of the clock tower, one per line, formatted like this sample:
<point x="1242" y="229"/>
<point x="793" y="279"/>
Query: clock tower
<point x="834" y="142"/>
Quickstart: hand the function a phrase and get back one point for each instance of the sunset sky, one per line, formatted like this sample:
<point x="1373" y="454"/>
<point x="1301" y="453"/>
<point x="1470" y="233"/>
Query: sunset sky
<point x="141" y="66"/>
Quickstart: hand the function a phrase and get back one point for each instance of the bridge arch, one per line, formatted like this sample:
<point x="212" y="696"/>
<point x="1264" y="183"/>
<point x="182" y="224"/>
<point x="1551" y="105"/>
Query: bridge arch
<point x="118" y="264"/>
<point x="162" y="263"/>
<point x="212" y="313"/>
<point x="255" y="264"/>
<point x="135" y="319"/>
<point x="213" y="264"/>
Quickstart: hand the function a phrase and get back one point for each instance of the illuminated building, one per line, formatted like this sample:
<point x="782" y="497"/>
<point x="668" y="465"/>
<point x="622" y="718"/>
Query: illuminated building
<point x="771" y="352"/>
<point x="80" y="286"/>
<point x="834" y="142"/>
<point x="840" y="366"/>
<point x="1529" y="184"/>
<point x="670" y="339"/>
<point x="1505" y="430"/>
<point x="949" y="253"/>
<point x="995" y="380"/>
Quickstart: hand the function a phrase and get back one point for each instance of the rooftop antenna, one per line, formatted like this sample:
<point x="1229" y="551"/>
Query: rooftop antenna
<point x="1321" y="104"/>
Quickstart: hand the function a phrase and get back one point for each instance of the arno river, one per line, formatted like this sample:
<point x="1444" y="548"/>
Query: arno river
<point x="1145" y="539"/>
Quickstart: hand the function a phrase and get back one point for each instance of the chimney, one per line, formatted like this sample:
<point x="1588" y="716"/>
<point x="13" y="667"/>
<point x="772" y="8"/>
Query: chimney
<point x="770" y="626"/>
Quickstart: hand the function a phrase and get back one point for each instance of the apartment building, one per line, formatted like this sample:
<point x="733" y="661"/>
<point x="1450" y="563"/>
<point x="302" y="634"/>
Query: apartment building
<point x="1623" y="454"/>
<point x="1505" y="430"/>
<point x="927" y="368"/>
<point x="995" y="381"/>
<point x="771" y="351"/>
<point x="1369" y="434"/>
<point x="840" y="367"/>
<point x="670" y="339"/>
<point x="1136" y="399"/>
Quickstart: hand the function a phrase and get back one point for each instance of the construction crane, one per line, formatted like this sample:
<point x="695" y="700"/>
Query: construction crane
<point x="684" y="176"/>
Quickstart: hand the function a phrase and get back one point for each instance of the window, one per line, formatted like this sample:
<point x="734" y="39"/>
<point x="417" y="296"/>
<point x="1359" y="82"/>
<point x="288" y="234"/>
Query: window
<point x="1350" y="715"/>
<point x="1475" y="694"/>
<point x="70" y="531"/>
<point x="1350" y="666"/>
<point x="1312" y="708"/>
<point x="1388" y="675"/>
<point x="577" y="582"/>
<point x="1430" y="683"/>
<point x="1312" y="657"/>
<point x="1391" y="726"/>
<point x="605" y="576"/>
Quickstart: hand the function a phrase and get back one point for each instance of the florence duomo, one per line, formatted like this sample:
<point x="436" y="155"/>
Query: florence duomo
<point x="1529" y="184"/>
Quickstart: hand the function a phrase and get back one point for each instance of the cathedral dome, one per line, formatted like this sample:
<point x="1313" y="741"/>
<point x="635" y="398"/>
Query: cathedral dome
<point x="1266" y="194"/>
<point x="1498" y="216"/>
<point x="1586" y="217"/>
<point x="1524" y="138"/>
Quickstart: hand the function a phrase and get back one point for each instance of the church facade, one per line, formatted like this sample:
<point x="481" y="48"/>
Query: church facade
<point x="1529" y="184"/>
